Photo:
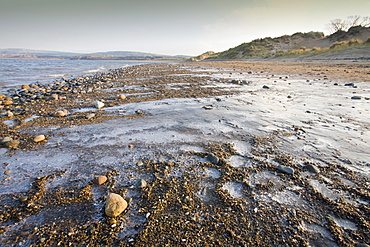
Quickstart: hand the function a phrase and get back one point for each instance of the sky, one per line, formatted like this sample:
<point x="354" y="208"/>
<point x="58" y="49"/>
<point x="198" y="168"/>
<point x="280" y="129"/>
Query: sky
<point x="168" y="27"/>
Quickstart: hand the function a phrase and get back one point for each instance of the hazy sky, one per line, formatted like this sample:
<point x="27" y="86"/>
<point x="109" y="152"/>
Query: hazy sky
<point x="170" y="27"/>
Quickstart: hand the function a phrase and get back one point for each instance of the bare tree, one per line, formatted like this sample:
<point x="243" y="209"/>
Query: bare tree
<point x="352" y="21"/>
<point x="337" y="25"/>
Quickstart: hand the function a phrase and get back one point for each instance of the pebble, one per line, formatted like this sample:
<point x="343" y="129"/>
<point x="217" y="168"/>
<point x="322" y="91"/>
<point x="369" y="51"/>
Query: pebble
<point x="99" y="180"/>
<point x="90" y="116"/>
<point x="141" y="183"/>
<point x="39" y="138"/>
<point x="122" y="96"/>
<point x="26" y="87"/>
<point x="99" y="104"/>
<point x="356" y="97"/>
<point x="61" y="113"/>
<point x="6" y="139"/>
<point x="23" y="198"/>
<point x="213" y="159"/>
<point x="349" y="84"/>
<point x="7" y="172"/>
<point x="12" y="144"/>
<point x="55" y="96"/>
<point x="115" y="205"/>
<point x="266" y="87"/>
<point x="140" y="163"/>
<point x="285" y="169"/>
<point x="9" y="114"/>
<point x="312" y="168"/>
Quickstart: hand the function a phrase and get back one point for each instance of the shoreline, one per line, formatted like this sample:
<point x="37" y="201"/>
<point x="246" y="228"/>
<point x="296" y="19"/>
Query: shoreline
<point x="232" y="153"/>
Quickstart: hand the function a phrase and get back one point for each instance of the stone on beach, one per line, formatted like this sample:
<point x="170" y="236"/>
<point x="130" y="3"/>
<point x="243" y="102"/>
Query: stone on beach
<point x="122" y="96"/>
<point x="90" y="116"/>
<point x="115" y="205"/>
<point x="99" y="180"/>
<point x="39" y="138"/>
<point x="25" y="87"/>
<point x="61" y="113"/>
<point x="99" y="104"/>
<point x="285" y="169"/>
<point x="141" y="183"/>
<point x="12" y="144"/>
<point x="312" y="168"/>
<point x="213" y="159"/>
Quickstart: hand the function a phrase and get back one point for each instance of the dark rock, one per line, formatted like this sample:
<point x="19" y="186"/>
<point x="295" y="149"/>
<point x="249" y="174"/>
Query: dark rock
<point x="213" y="159"/>
<point x="266" y="87"/>
<point x="312" y="168"/>
<point x="356" y="97"/>
<point x="349" y="84"/>
<point x="285" y="169"/>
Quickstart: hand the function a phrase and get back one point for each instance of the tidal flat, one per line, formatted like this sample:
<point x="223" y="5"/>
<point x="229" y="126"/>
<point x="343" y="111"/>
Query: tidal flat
<point x="225" y="153"/>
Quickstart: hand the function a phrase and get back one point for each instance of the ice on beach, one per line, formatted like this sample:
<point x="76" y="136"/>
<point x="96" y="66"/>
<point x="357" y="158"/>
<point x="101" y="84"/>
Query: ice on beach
<point x="212" y="172"/>
<point x="346" y="224"/>
<point x="234" y="189"/>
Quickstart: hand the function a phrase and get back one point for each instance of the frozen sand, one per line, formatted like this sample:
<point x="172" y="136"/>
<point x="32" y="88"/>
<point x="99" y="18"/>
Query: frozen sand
<point x="309" y="120"/>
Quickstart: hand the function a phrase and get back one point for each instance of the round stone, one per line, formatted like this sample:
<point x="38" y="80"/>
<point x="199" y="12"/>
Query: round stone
<point x="115" y="205"/>
<point x="99" y="180"/>
<point x="39" y="138"/>
<point x="122" y="96"/>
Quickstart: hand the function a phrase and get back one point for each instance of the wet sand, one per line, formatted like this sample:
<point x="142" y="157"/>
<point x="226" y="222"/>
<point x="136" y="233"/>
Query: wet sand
<point x="232" y="154"/>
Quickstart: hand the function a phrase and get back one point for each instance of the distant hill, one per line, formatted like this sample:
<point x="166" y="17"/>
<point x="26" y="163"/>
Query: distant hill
<point x="353" y="43"/>
<point x="110" y="55"/>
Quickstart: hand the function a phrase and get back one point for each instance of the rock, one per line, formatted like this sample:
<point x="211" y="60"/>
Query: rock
<point x="213" y="159"/>
<point x="141" y="183"/>
<point x="266" y="87"/>
<point x="9" y="114"/>
<point x="99" y="104"/>
<point x="312" y="168"/>
<point x="90" y="116"/>
<point x="61" y="113"/>
<point x="54" y="96"/>
<point x="23" y="199"/>
<point x="356" y="97"/>
<point x="122" y="96"/>
<point x="7" y="172"/>
<point x="26" y="87"/>
<point x="12" y="144"/>
<point x="140" y="112"/>
<point x="115" y="205"/>
<point x="349" y="84"/>
<point x="285" y="169"/>
<point x="139" y="163"/>
<point x="5" y="140"/>
<point x="39" y="138"/>
<point x="99" y="180"/>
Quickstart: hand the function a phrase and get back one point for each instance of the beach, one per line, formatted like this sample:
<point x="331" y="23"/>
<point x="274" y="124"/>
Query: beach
<point x="222" y="153"/>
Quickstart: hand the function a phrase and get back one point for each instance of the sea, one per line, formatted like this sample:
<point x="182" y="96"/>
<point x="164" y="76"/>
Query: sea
<point x="15" y="72"/>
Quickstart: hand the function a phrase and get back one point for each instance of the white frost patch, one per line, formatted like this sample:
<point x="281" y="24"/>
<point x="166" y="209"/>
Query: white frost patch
<point x="238" y="161"/>
<point x="346" y="224"/>
<point x="212" y="172"/>
<point x="288" y="198"/>
<point x="235" y="189"/>
<point x="316" y="229"/>
<point x="323" y="189"/>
